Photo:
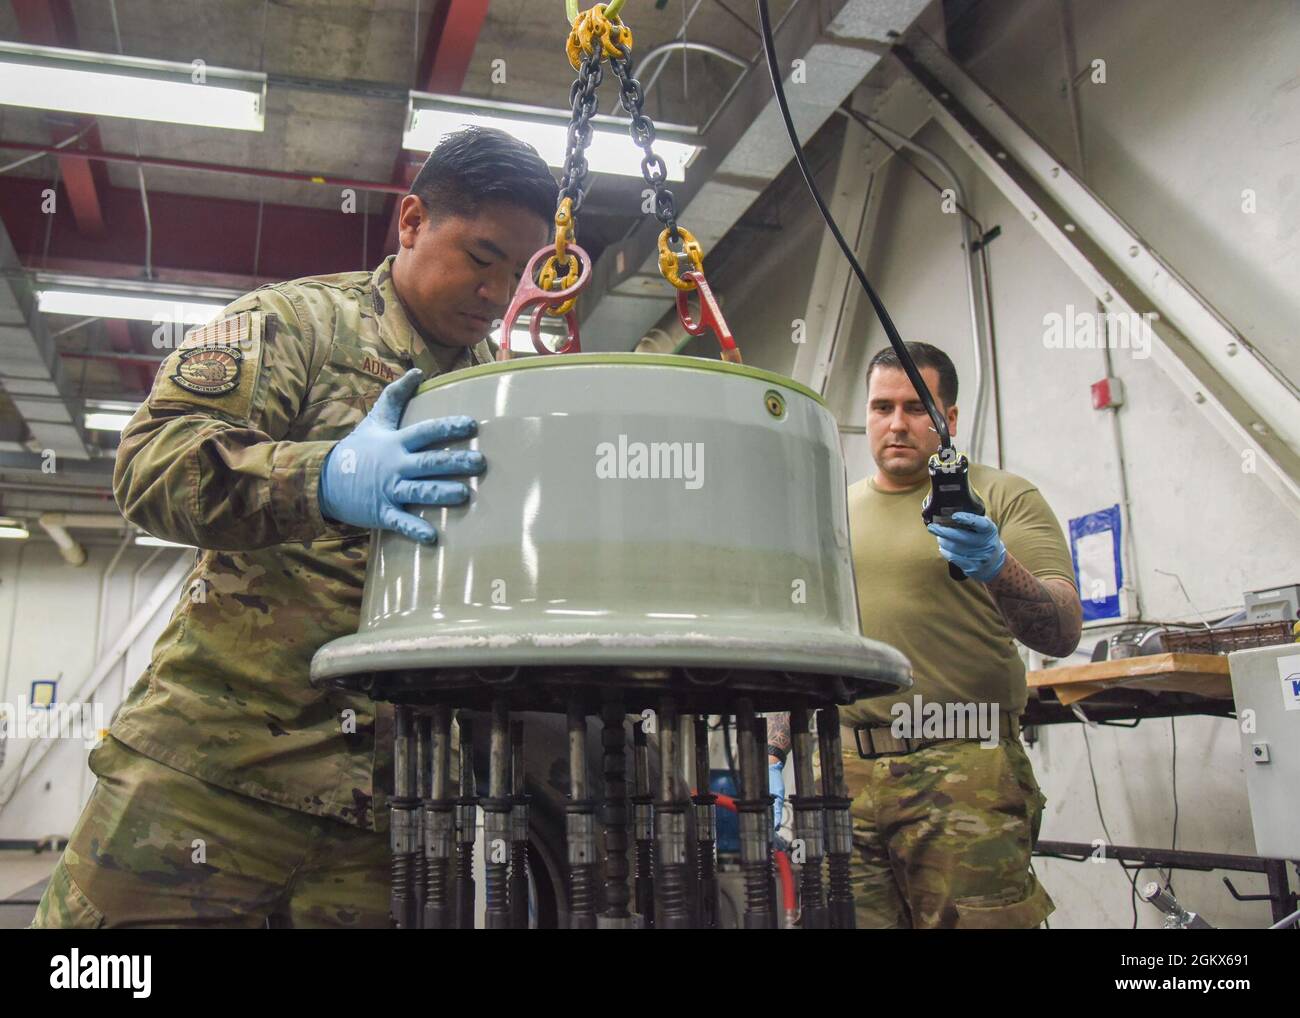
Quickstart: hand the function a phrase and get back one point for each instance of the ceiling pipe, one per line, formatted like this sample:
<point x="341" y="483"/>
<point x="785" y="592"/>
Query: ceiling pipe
<point x="663" y="51"/>
<point x="73" y="553"/>
<point x="981" y="325"/>
<point x="57" y="524"/>
<point x="239" y="171"/>
<point x="698" y="47"/>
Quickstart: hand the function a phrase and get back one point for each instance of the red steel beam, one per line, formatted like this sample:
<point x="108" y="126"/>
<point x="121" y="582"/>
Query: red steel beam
<point x="448" y="49"/>
<point x="195" y="238"/>
<point x="50" y="23"/>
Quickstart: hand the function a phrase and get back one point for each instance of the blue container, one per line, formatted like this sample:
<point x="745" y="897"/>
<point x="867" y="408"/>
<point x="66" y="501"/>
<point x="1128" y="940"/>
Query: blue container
<point x="722" y="782"/>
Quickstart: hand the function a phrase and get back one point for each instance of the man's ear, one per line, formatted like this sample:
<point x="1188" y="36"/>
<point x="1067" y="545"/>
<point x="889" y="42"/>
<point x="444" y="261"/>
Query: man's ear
<point x="952" y="421"/>
<point x="410" y="217"/>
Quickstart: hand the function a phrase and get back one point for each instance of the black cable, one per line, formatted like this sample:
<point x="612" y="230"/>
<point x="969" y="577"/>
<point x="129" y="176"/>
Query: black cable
<point x="899" y="154"/>
<point x="1096" y="794"/>
<point x="1133" y="892"/>
<point x="985" y="275"/>
<point x="905" y="358"/>
<point x="1173" y="842"/>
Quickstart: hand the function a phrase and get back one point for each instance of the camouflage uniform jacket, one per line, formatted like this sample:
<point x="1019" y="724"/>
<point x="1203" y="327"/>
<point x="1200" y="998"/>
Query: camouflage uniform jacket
<point x="225" y="455"/>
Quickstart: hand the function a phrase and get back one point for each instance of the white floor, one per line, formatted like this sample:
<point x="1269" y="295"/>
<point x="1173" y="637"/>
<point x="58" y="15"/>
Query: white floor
<point x="19" y="870"/>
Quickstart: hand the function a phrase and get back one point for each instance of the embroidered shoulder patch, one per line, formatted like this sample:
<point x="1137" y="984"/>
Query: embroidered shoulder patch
<point x="208" y="370"/>
<point x="216" y="366"/>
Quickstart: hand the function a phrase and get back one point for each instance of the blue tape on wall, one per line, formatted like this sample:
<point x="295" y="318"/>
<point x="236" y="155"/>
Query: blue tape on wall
<point x="1095" y="543"/>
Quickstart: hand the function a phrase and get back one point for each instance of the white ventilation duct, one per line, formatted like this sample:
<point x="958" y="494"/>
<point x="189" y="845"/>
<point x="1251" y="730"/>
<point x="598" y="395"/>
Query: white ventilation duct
<point x="57" y="524"/>
<point x="745" y="148"/>
<point x="30" y="369"/>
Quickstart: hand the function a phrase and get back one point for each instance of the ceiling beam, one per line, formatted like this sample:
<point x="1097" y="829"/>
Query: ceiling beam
<point x="444" y="61"/>
<point x="193" y="235"/>
<point x="292" y="176"/>
<point x="50" y="23"/>
<point x="832" y="47"/>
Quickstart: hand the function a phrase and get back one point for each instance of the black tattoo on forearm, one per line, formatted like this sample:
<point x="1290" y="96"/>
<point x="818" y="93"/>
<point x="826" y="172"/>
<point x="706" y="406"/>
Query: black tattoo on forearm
<point x="778" y="734"/>
<point x="1044" y="615"/>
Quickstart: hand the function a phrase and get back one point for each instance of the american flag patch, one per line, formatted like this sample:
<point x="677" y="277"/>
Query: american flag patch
<point x="236" y="330"/>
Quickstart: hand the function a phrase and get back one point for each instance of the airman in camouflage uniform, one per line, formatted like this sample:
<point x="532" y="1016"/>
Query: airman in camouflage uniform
<point x="944" y="819"/>
<point x="230" y="791"/>
<point x="943" y="835"/>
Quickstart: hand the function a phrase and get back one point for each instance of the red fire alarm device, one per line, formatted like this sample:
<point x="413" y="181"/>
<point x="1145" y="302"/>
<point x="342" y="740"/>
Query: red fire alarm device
<point x="1107" y="394"/>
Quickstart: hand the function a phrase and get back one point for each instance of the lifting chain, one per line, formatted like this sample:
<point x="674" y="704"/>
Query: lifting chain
<point x="594" y="35"/>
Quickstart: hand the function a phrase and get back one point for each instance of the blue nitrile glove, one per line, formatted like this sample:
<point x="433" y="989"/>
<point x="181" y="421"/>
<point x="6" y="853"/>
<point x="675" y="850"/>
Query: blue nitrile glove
<point x="369" y="476"/>
<point x="776" y="787"/>
<point x="977" y="552"/>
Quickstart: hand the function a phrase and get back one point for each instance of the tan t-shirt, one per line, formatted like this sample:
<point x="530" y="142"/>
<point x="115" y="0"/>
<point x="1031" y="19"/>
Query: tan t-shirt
<point x="960" y="648"/>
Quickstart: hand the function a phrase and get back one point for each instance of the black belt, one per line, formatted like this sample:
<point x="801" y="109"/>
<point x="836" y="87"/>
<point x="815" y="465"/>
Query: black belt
<point x="880" y="742"/>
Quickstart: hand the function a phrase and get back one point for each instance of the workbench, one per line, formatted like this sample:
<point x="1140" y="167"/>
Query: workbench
<point x="1126" y="690"/>
<point x="1121" y="693"/>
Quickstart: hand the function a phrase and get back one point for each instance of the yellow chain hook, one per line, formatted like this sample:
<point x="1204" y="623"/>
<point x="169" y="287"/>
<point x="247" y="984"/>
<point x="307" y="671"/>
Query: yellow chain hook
<point x="564" y="227"/>
<point x="601" y="22"/>
<point x="564" y="235"/>
<point x="546" y="280"/>
<point x="669" y="260"/>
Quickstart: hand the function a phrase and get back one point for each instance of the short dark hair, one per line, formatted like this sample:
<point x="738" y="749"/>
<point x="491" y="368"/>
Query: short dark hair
<point x="477" y="165"/>
<point x="923" y="356"/>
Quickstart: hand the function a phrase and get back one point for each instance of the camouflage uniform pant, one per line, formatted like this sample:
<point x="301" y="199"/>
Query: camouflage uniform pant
<point x="158" y="848"/>
<point x="944" y="837"/>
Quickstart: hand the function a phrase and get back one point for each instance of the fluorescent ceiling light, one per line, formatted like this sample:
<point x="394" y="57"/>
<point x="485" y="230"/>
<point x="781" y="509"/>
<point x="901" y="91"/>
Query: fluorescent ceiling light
<point x="106" y="422"/>
<point x="159" y="309"/>
<point x="107" y="85"/>
<point x="13" y="529"/>
<point x="113" y="406"/>
<point x="429" y="117"/>
<point x="149" y="541"/>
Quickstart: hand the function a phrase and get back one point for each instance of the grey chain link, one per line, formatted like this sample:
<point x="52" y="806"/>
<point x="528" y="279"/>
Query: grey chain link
<point x="583" y="103"/>
<point x="642" y="129"/>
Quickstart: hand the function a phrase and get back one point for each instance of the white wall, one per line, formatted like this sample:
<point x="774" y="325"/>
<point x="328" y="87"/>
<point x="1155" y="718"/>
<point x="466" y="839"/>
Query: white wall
<point x="56" y="622"/>
<point x="1200" y="102"/>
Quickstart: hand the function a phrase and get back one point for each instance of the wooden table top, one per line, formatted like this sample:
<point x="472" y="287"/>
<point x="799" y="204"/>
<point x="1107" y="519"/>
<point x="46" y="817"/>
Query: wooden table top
<point x="1203" y="674"/>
